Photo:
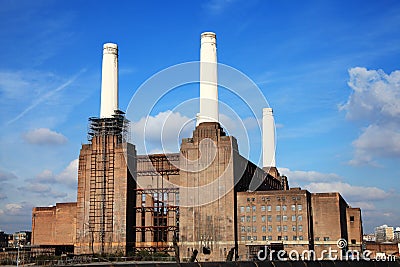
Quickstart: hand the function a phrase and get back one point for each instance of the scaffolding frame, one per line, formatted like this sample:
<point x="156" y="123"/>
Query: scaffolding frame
<point x="108" y="132"/>
<point x="163" y="208"/>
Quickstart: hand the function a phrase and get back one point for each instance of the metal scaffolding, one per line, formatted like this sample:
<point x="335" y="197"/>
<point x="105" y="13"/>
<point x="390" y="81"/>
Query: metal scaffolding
<point x="106" y="133"/>
<point x="157" y="208"/>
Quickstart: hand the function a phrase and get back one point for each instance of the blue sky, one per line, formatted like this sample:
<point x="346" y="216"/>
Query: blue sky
<point x="329" y="69"/>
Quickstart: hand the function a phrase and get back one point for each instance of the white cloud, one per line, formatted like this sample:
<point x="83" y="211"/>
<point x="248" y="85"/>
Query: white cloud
<point x="163" y="131"/>
<point x="68" y="176"/>
<point x="308" y="176"/>
<point x="14" y="209"/>
<point x="44" y="136"/>
<point x="375" y="101"/>
<point x="376" y="95"/>
<point x="376" y="141"/>
<point x="351" y="193"/>
<point x="7" y="176"/>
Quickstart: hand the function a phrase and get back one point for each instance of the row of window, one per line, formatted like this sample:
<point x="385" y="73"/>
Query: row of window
<point x="283" y="198"/>
<point x="264" y="238"/>
<point x="264" y="228"/>
<point x="264" y="218"/>
<point x="269" y="208"/>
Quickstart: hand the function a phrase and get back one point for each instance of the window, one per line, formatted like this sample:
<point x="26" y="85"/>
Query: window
<point x="278" y="208"/>
<point x="264" y="238"/>
<point x="254" y="208"/>
<point x="254" y="237"/>
<point x="300" y="228"/>
<point x="278" y="218"/>
<point x="247" y="209"/>
<point x="301" y="237"/>
<point x="253" y="199"/>
<point x="299" y="207"/>
<point x="293" y="218"/>
<point x="249" y="238"/>
<point x="317" y="239"/>
<point x="278" y="198"/>
<point x="279" y="228"/>
<point x="279" y="237"/>
<point x="353" y="241"/>
<point x="247" y="218"/>
<point x="351" y="218"/>
<point x="283" y="198"/>
<point x="243" y="229"/>
<point x="254" y="218"/>
<point x="300" y="218"/>
<point x="294" y="237"/>
<point x="269" y="228"/>
<point x="269" y="208"/>
<point x="242" y="209"/>
<point x="242" y="218"/>
<point x="284" y="218"/>
<point x="248" y="199"/>
<point x="262" y="208"/>
<point x="285" y="228"/>
<point x="263" y="218"/>
<point x="270" y="237"/>
<point x="263" y="228"/>
<point x="293" y="207"/>
<point x="243" y="238"/>
<point x="284" y="207"/>
<point x="285" y="238"/>
<point x="248" y="229"/>
<point x="254" y="229"/>
<point x="294" y="228"/>
<point x="326" y="238"/>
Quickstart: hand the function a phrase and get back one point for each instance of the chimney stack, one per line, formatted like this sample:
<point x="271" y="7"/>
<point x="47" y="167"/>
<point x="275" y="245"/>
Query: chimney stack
<point x="208" y="79"/>
<point x="268" y="138"/>
<point x="109" y="81"/>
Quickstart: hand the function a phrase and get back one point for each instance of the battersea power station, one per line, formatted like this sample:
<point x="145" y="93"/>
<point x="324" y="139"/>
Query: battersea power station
<point x="205" y="202"/>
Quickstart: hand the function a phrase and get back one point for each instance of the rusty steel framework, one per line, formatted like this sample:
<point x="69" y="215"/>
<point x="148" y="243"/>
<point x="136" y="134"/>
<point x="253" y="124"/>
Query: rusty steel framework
<point x="108" y="132"/>
<point x="160" y="203"/>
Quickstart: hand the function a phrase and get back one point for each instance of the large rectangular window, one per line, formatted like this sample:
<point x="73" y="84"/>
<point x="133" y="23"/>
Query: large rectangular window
<point x="262" y="208"/>
<point x="269" y="208"/>
<point x="263" y="218"/>
<point x="278" y="208"/>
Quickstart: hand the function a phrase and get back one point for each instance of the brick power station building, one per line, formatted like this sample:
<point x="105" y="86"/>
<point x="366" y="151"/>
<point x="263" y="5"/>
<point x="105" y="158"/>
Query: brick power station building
<point x="207" y="197"/>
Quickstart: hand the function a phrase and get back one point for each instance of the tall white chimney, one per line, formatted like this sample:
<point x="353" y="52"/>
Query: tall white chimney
<point x="268" y="138"/>
<point x="208" y="79"/>
<point x="109" y="81"/>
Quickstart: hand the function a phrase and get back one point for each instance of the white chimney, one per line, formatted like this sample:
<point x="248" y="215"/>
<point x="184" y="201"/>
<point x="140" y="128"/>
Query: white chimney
<point x="268" y="138"/>
<point x="109" y="81"/>
<point x="208" y="79"/>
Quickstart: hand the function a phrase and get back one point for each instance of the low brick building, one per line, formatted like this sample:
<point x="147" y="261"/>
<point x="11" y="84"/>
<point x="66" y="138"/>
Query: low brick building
<point x="296" y="220"/>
